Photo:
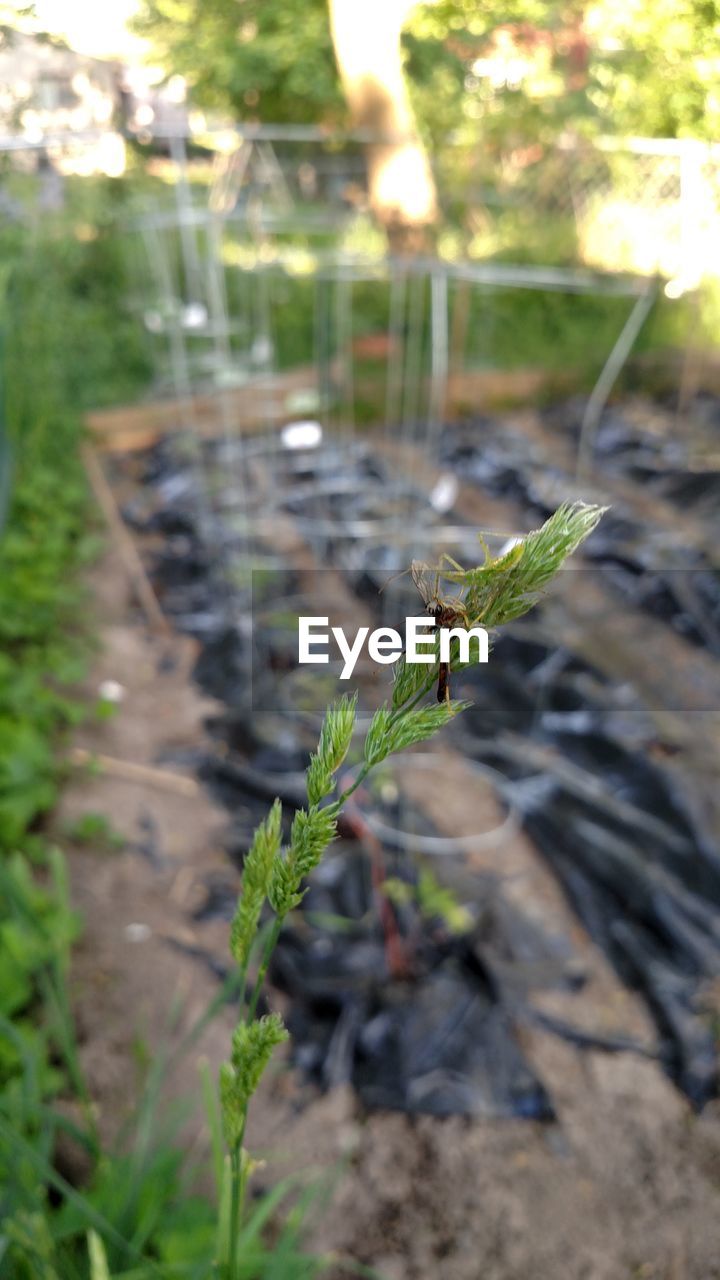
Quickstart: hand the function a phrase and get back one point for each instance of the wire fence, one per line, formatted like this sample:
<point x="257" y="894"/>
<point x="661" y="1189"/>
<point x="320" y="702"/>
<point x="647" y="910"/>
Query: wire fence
<point x="644" y="205"/>
<point x="650" y="206"/>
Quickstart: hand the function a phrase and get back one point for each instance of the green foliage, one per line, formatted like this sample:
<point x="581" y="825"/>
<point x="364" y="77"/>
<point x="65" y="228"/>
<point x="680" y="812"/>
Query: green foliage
<point x="393" y="731"/>
<point x="36" y="929"/>
<point x="491" y="594"/>
<point x="568" y="335"/>
<point x="642" y="70"/>
<point x="252" y="1048"/>
<point x="652" y="70"/>
<point x="408" y="679"/>
<point x="39" y="636"/>
<point x="501" y="591"/>
<point x="29" y="1247"/>
<point x="375" y="746"/>
<point x="96" y="830"/>
<point x="257" y="874"/>
<point x="105" y="709"/>
<point x="259" y="60"/>
<point x="310" y="835"/>
<point x="99" y="1269"/>
<point x="434" y="900"/>
<point x="417" y="725"/>
<point x="68" y="320"/>
<point x="68" y="344"/>
<point x="648" y="69"/>
<point x="438" y="901"/>
<point x="335" y="738"/>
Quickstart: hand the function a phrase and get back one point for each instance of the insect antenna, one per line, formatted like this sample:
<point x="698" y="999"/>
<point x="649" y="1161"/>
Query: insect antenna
<point x="394" y="578"/>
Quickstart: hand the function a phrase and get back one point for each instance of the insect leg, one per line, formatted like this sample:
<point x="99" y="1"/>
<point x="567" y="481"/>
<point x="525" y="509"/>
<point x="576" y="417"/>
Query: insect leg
<point x="454" y="572"/>
<point x="443" y="689"/>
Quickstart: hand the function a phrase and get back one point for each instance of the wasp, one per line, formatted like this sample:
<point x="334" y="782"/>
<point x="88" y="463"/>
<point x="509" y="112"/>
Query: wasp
<point x="447" y="611"/>
<point x="452" y="610"/>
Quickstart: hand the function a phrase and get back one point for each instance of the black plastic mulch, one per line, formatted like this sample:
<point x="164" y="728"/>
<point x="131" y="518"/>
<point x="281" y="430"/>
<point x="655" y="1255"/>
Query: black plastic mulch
<point x="615" y="826"/>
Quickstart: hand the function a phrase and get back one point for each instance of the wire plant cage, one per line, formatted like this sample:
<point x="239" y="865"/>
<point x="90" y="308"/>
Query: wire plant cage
<point x="312" y="376"/>
<point x="263" y="334"/>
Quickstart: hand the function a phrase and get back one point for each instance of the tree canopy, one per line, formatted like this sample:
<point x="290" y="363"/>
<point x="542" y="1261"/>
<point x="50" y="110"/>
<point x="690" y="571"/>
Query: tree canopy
<point x="642" y="67"/>
<point x="257" y="59"/>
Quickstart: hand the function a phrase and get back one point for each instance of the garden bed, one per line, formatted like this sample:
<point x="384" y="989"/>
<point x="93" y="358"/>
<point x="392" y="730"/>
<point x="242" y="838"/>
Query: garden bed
<point x="612" y="1151"/>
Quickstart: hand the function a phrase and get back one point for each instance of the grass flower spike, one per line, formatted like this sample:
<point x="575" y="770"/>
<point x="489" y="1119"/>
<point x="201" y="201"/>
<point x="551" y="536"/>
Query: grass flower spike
<point x="490" y="594"/>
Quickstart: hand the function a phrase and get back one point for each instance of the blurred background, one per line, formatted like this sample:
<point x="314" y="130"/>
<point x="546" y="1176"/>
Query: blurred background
<point x="292" y="294"/>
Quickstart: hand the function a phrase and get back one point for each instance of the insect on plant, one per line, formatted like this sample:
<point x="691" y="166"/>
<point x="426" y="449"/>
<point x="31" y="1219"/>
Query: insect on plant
<point x="447" y="611"/>
<point x="451" y="611"/>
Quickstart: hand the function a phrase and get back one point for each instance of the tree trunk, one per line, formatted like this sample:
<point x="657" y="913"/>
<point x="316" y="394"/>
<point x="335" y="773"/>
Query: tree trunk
<point x="366" y="36"/>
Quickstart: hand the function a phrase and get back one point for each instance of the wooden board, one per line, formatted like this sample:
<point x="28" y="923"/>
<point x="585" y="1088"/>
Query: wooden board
<point x="261" y="403"/>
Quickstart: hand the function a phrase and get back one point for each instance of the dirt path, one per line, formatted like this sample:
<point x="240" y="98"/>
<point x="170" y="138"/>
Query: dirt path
<point x="131" y="981"/>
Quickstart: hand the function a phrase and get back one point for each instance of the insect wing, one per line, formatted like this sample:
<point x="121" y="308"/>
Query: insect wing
<point x="421" y="575"/>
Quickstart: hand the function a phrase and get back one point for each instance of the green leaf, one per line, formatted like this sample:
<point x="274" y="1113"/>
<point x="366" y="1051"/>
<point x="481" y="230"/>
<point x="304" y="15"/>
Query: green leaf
<point x="99" y="1269"/>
